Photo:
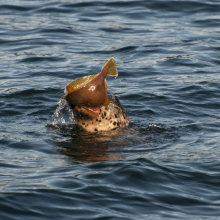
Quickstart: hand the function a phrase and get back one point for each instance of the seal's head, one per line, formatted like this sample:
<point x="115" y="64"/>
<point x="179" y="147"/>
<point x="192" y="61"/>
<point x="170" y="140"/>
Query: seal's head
<point x="87" y="96"/>
<point x="109" y="117"/>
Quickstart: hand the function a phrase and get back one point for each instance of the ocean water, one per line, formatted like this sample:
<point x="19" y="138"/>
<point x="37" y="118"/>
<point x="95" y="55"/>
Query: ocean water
<point x="165" y="164"/>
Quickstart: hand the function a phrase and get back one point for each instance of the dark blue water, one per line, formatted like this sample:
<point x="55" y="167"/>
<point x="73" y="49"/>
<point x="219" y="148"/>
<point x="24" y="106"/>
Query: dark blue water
<point x="165" y="165"/>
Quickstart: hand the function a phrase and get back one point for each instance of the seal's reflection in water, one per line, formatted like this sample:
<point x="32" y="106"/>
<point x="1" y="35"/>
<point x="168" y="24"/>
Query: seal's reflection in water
<point x="90" y="148"/>
<point x="115" y="144"/>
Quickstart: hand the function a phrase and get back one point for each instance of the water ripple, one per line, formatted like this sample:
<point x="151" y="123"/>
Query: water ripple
<point x="165" y="164"/>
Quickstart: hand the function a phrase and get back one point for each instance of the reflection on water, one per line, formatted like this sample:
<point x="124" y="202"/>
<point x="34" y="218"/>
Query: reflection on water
<point x="92" y="148"/>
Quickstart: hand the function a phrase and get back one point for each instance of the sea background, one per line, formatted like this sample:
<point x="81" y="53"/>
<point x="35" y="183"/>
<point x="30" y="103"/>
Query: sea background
<point x="165" y="164"/>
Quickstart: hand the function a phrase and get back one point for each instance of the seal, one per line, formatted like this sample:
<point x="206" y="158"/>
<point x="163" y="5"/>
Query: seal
<point x="110" y="117"/>
<point x="93" y="109"/>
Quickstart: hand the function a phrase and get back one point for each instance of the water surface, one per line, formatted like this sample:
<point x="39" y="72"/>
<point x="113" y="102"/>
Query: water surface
<point x="165" y="164"/>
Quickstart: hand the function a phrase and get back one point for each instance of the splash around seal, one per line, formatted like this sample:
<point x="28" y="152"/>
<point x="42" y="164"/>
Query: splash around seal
<point x="91" y="91"/>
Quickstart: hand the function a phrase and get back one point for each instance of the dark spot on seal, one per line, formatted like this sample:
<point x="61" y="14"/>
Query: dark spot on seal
<point x="124" y="114"/>
<point x="104" y="113"/>
<point x="96" y="119"/>
<point x="106" y="108"/>
<point x="114" y="123"/>
<point x="100" y="120"/>
<point x="110" y="121"/>
<point x="106" y="118"/>
<point x="118" y="124"/>
<point x="83" y="123"/>
<point x="95" y="129"/>
<point x="116" y="116"/>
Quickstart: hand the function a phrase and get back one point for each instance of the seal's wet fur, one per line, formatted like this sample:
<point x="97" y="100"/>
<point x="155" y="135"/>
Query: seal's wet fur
<point x="110" y="117"/>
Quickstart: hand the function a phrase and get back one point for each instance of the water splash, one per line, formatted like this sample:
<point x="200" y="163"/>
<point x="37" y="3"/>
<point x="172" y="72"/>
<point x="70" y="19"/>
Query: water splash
<point x="62" y="115"/>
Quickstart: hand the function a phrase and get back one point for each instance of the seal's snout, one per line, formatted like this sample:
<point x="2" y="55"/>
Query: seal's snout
<point x="108" y="118"/>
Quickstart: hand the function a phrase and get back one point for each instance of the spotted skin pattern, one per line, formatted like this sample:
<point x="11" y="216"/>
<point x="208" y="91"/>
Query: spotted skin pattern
<point x="111" y="117"/>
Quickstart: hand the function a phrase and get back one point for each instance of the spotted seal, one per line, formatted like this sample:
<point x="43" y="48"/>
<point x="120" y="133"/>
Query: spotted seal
<point x="110" y="117"/>
<point x="93" y="109"/>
